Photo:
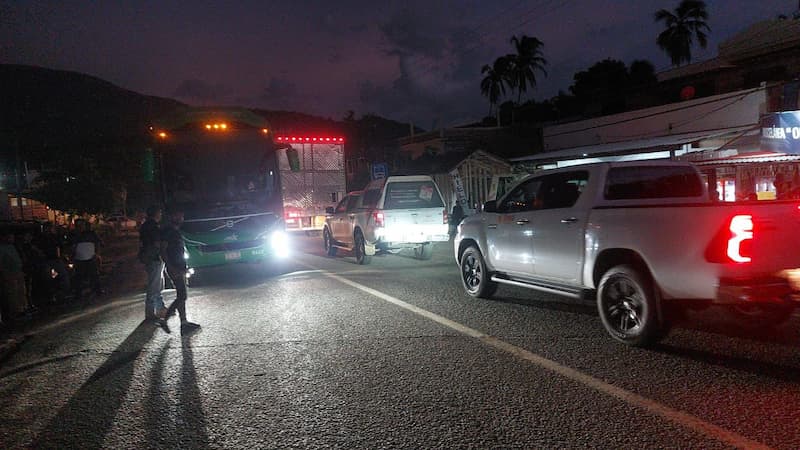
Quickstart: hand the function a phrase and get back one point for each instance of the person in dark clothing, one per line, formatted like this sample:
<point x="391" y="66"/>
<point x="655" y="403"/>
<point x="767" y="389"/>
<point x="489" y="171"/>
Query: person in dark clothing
<point x="172" y="251"/>
<point x="32" y="264"/>
<point x="85" y="257"/>
<point x="49" y="242"/>
<point x="150" y="256"/>
<point x="455" y="218"/>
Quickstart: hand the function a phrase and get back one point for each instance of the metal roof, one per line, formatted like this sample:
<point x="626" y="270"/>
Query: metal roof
<point x="649" y="145"/>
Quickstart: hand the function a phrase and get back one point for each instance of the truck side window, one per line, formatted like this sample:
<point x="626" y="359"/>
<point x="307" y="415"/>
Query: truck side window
<point x="523" y="198"/>
<point x="342" y="206"/>
<point x="561" y="190"/>
<point x="352" y="202"/>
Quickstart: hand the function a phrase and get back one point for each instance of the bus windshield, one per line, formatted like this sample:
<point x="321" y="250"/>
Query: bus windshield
<point x="229" y="174"/>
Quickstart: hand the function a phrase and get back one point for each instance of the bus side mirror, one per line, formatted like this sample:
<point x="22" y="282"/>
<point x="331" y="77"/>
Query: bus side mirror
<point x="329" y="210"/>
<point x="490" y="206"/>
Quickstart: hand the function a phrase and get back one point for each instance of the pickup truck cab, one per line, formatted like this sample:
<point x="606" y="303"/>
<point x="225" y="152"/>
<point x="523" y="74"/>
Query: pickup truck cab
<point x="634" y="236"/>
<point x="388" y="215"/>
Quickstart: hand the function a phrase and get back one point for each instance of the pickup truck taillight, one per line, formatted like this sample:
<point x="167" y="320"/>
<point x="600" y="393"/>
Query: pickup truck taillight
<point x="741" y="228"/>
<point x="444" y="216"/>
<point x="377" y="218"/>
<point x="733" y="242"/>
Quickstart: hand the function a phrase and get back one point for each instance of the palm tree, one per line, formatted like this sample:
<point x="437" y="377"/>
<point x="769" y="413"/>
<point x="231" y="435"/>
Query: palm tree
<point x="687" y="22"/>
<point x="525" y="62"/>
<point x="493" y="85"/>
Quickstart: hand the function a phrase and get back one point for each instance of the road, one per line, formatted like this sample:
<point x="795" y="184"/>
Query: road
<point x="326" y="353"/>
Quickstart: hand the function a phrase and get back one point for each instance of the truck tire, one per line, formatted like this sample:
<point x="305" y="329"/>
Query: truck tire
<point x="628" y="305"/>
<point x="474" y="276"/>
<point x="424" y="251"/>
<point x="359" y="249"/>
<point x="328" y="242"/>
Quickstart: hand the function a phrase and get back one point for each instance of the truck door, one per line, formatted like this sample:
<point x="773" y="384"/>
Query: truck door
<point x="339" y="220"/>
<point x="558" y="227"/>
<point x="509" y="231"/>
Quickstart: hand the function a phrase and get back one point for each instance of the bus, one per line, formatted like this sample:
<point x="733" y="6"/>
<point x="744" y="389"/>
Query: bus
<point x="220" y="167"/>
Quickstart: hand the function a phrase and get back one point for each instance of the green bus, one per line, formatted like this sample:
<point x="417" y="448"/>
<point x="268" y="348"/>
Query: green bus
<point x="220" y="167"/>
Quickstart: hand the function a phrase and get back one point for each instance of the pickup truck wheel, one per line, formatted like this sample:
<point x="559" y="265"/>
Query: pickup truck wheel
<point x="359" y="250"/>
<point x="326" y="239"/>
<point x="474" y="276"/>
<point x="424" y="251"/>
<point x="628" y="305"/>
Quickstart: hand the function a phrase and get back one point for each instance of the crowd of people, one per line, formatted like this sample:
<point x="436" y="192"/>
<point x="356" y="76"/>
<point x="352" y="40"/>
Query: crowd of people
<point x="43" y="264"/>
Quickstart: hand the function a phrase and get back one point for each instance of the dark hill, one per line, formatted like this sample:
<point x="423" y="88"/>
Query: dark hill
<point x="51" y="108"/>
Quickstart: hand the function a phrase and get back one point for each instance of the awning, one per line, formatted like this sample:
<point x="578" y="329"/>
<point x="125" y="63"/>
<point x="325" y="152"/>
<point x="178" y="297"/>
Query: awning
<point x="649" y="145"/>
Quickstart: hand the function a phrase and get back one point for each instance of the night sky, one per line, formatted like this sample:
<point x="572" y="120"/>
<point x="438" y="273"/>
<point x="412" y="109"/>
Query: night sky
<point x="407" y="60"/>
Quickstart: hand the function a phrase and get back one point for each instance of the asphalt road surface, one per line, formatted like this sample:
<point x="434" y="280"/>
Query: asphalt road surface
<point x="323" y="353"/>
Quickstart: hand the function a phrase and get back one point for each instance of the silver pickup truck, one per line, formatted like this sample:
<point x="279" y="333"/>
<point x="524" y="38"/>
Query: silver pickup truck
<point x="634" y="236"/>
<point x="388" y="215"/>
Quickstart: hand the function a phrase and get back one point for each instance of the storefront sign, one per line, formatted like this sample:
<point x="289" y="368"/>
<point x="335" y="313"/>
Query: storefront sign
<point x="780" y="132"/>
<point x="461" y="196"/>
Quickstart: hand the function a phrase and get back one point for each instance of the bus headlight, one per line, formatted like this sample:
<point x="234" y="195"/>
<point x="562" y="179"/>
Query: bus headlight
<point x="279" y="241"/>
<point x="185" y="255"/>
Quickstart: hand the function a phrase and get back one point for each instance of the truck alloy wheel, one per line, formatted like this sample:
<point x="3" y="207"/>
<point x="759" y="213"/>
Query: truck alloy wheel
<point x="424" y="252"/>
<point x="326" y="238"/>
<point x="627" y="303"/>
<point x="474" y="276"/>
<point x="360" y="251"/>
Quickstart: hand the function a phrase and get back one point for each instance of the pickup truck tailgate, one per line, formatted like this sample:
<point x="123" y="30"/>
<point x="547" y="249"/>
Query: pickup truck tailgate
<point x="414" y="225"/>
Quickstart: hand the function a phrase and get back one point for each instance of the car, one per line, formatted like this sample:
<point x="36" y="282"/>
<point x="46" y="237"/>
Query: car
<point x="389" y="215"/>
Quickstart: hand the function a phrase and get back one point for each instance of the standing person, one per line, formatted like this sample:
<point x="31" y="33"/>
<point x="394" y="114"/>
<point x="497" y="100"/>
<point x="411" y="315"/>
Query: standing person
<point x="149" y="255"/>
<point x="49" y="243"/>
<point x="85" y="257"/>
<point x="172" y="251"/>
<point x="32" y="263"/>
<point x="12" y="278"/>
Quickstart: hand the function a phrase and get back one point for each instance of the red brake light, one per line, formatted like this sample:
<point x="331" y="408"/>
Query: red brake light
<point x="741" y="228"/>
<point x="377" y="217"/>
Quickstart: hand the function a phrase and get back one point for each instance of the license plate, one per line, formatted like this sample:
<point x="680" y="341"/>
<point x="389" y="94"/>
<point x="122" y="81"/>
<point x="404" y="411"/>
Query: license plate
<point x="230" y="256"/>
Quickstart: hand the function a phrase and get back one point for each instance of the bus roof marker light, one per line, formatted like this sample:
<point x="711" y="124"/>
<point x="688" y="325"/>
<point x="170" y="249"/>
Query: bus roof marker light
<point x="162" y="135"/>
<point x="208" y="126"/>
<point x="224" y="126"/>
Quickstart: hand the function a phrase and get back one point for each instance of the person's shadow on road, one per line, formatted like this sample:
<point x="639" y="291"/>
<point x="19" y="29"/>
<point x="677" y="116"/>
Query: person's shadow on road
<point x="89" y="415"/>
<point x="175" y="415"/>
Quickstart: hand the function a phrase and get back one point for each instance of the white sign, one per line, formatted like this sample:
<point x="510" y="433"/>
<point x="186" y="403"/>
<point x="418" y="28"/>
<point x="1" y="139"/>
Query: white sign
<point x="461" y="196"/>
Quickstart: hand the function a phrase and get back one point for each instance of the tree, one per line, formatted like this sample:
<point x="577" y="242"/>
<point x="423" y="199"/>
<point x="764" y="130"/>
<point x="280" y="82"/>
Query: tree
<point x="687" y="22"/>
<point x="525" y="63"/>
<point x="642" y="73"/>
<point x="495" y="81"/>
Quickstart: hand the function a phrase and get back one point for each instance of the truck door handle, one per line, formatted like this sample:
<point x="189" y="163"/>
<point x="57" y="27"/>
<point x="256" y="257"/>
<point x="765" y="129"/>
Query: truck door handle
<point x="492" y="226"/>
<point x="569" y="220"/>
<point x="522" y="221"/>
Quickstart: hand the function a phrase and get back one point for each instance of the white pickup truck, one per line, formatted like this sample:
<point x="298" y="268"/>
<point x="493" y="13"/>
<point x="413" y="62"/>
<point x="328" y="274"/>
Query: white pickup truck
<point x="634" y="236"/>
<point x="388" y="215"/>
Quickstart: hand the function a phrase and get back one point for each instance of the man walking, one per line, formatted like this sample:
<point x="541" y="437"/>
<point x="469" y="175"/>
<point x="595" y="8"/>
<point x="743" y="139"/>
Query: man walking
<point x="172" y="251"/>
<point x="150" y="256"/>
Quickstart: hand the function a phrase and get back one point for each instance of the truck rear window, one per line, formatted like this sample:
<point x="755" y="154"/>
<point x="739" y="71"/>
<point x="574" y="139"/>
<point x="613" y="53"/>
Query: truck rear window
<point x="412" y="194"/>
<point x="642" y="182"/>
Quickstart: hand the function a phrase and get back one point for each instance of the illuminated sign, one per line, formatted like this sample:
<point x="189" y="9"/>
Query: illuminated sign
<point x="780" y="132"/>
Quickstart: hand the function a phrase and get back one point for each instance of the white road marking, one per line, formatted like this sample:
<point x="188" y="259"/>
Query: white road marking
<point x="673" y="415"/>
